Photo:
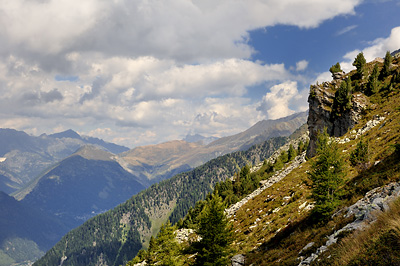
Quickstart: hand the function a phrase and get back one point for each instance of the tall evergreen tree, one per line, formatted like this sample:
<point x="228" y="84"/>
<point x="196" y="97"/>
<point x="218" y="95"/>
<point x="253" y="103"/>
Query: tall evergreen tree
<point x="386" y="65"/>
<point x="359" y="63"/>
<point x="372" y="86"/>
<point x="360" y="156"/>
<point x="327" y="173"/>
<point x="163" y="250"/>
<point x="216" y="235"/>
<point x="291" y="153"/>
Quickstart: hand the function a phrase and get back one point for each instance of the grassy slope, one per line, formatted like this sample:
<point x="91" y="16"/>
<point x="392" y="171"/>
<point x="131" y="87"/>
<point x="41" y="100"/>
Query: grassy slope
<point x="278" y="235"/>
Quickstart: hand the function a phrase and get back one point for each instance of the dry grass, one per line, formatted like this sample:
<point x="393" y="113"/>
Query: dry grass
<point x="357" y="244"/>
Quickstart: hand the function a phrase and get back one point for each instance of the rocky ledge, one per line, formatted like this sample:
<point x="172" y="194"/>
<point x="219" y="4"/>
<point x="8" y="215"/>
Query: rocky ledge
<point x="365" y="212"/>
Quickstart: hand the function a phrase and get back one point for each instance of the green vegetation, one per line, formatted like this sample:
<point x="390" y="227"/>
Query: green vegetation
<point x="292" y="153"/>
<point x="359" y="63"/>
<point x="224" y="194"/>
<point x="342" y="100"/>
<point x="386" y="65"/>
<point x="373" y="83"/>
<point x="214" y="247"/>
<point x="327" y="173"/>
<point x="335" y="68"/>
<point x="163" y="250"/>
<point x="216" y="235"/>
<point x="359" y="157"/>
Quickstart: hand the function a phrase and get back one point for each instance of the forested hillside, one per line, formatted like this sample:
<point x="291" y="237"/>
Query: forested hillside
<point x="26" y="232"/>
<point x="116" y="236"/>
<point x="340" y="207"/>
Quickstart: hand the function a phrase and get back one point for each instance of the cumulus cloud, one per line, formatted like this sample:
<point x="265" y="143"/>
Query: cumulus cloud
<point x="163" y="29"/>
<point x="301" y="65"/>
<point x="144" y="71"/>
<point x="276" y="102"/>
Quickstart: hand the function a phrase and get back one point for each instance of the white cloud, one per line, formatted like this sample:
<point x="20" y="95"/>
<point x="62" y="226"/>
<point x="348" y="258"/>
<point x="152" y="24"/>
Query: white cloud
<point x="301" y="65"/>
<point x="325" y="76"/>
<point x="276" y="102"/>
<point x="346" y="30"/>
<point x="145" y="71"/>
<point x="376" y="48"/>
<point x="182" y="30"/>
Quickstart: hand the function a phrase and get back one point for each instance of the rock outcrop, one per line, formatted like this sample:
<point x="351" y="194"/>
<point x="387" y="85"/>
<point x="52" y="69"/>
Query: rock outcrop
<point x="320" y="116"/>
<point x="365" y="212"/>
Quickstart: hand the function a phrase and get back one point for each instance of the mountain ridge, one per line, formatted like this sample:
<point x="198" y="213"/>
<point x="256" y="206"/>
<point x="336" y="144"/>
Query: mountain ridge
<point x="24" y="157"/>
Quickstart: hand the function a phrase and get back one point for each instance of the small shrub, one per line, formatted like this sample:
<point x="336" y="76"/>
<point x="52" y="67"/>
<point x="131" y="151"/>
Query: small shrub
<point x="335" y="68"/>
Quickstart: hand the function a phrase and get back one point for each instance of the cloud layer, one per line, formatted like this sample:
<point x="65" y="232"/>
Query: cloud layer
<point x="139" y="72"/>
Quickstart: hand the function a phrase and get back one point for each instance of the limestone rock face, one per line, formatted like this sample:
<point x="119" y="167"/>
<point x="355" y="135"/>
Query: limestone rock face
<point x="320" y="112"/>
<point x="320" y="105"/>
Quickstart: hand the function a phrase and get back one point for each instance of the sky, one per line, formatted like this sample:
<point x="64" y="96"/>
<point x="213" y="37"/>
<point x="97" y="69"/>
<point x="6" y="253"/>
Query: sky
<point x="139" y="72"/>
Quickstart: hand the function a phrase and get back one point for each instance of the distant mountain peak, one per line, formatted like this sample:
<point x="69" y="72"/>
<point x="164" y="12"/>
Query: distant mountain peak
<point x="66" y="134"/>
<point x="92" y="152"/>
<point x="199" y="138"/>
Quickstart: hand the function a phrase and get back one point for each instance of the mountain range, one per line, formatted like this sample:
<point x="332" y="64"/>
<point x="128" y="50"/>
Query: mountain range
<point x="79" y="177"/>
<point x="157" y="162"/>
<point x="23" y="157"/>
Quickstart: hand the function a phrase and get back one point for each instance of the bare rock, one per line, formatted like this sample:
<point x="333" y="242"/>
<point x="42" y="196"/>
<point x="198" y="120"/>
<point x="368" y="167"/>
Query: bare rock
<point x="320" y="114"/>
<point x="238" y="260"/>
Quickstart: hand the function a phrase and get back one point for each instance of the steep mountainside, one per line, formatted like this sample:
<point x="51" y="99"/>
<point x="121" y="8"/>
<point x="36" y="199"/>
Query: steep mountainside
<point x="30" y="232"/>
<point x="116" y="236"/>
<point x="341" y="207"/>
<point x="278" y="227"/>
<point x="158" y="162"/>
<point x="24" y="157"/>
<point x="85" y="184"/>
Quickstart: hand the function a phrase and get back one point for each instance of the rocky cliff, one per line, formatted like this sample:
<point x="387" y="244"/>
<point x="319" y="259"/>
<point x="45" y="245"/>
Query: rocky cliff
<point x="321" y="116"/>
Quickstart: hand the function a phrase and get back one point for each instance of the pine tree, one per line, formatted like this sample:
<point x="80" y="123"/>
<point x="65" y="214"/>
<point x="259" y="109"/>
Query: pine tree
<point x="164" y="249"/>
<point x="327" y="173"/>
<point x="291" y="152"/>
<point x="342" y="100"/>
<point x="359" y="63"/>
<point x="372" y="86"/>
<point x="245" y="171"/>
<point x="284" y="156"/>
<point x="359" y="157"/>
<point x="278" y="164"/>
<point x="386" y="65"/>
<point x="216" y="235"/>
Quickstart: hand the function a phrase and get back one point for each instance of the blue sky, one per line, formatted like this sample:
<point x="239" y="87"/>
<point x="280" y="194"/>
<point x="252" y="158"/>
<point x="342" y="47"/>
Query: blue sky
<point x="140" y="72"/>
